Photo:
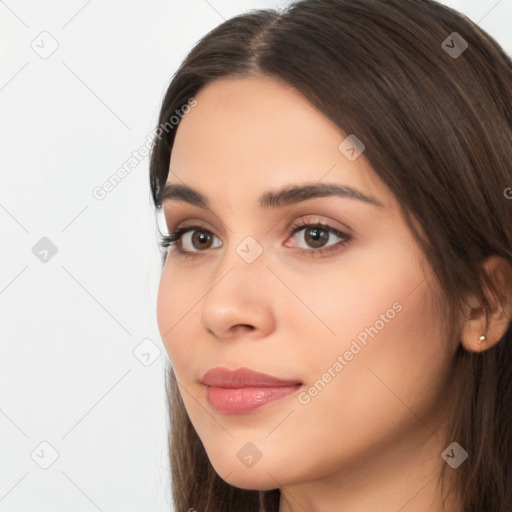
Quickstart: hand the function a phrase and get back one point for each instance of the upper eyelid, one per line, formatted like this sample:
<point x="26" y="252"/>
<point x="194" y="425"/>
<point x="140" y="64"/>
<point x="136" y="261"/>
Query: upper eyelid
<point x="174" y="225"/>
<point x="340" y="226"/>
<point x="176" y="210"/>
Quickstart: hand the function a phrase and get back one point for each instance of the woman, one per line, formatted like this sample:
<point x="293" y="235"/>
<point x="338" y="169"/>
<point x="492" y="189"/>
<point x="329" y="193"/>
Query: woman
<point x="336" y="291"/>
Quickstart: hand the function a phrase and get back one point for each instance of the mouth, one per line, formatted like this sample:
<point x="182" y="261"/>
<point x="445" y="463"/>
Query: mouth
<point x="244" y="390"/>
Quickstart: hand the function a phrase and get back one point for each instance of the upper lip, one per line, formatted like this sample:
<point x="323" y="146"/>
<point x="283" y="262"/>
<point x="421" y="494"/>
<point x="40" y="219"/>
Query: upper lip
<point x="243" y="378"/>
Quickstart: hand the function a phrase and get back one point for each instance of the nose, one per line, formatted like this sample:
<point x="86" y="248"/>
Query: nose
<point x="239" y="300"/>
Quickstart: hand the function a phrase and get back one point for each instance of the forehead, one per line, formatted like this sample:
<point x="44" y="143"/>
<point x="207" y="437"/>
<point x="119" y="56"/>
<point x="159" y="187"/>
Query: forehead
<point x="238" y="117"/>
<point x="258" y="133"/>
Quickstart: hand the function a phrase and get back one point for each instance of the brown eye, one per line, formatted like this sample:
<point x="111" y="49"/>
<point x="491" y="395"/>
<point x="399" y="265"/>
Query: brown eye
<point x="201" y="239"/>
<point x="198" y="237"/>
<point x="194" y="239"/>
<point x="316" y="236"/>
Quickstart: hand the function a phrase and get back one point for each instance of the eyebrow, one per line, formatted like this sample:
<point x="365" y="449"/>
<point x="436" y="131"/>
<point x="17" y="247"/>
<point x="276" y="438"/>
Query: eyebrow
<point x="271" y="199"/>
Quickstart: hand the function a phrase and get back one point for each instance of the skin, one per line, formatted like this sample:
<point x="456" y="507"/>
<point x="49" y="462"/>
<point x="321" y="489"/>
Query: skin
<point x="372" y="438"/>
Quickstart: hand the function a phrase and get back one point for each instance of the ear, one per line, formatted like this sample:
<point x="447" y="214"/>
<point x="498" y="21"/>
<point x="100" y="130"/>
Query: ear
<point x="493" y="325"/>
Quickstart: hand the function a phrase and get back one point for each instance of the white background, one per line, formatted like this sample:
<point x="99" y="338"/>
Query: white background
<point x="69" y="326"/>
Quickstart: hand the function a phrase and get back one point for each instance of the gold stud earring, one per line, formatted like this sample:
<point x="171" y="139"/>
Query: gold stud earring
<point x="482" y="338"/>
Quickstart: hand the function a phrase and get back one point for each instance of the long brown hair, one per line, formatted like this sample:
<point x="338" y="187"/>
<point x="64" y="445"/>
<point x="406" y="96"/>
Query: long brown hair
<point x="436" y="119"/>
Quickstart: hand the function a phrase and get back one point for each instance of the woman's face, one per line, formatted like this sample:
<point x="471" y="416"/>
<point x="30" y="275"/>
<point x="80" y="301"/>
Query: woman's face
<point x="355" y="325"/>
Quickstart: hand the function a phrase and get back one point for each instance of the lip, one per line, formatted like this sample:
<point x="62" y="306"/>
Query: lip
<point x="244" y="390"/>
<point x="243" y="378"/>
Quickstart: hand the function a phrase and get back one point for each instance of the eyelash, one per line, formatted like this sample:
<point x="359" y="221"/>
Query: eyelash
<point x="174" y="238"/>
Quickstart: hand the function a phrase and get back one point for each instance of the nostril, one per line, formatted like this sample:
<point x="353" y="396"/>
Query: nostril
<point x="247" y="326"/>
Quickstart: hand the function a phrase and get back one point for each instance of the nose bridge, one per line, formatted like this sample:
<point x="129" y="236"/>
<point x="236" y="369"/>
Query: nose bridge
<point x="238" y="294"/>
<point x="243" y="261"/>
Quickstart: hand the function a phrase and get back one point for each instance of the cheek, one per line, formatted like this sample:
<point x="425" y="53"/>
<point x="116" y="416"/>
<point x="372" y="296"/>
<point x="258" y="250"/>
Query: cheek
<point x="357" y="296"/>
<point x="387" y="333"/>
<point x="174" y="305"/>
<point x="385" y="389"/>
<point x="179" y="317"/>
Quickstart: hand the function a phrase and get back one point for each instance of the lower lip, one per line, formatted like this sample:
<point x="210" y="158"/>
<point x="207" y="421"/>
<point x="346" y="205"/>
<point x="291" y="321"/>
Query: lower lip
<point x="245" y="400"/>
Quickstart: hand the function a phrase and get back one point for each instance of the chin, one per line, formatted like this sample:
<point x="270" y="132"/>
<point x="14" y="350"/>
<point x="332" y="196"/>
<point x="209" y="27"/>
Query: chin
<point x="264" y="475"/>
<point x="245" y="479"/>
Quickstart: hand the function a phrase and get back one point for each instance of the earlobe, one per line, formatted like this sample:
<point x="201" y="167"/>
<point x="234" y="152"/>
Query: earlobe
<point x="483" y="329"/>
<point x="475" y="331"/>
